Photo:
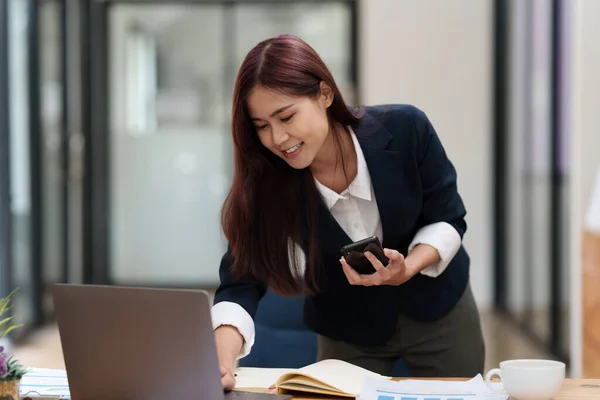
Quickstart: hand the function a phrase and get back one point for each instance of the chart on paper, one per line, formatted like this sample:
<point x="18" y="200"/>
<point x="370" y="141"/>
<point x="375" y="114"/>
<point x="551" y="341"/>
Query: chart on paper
<point x="416" y="396"/>
<point x="415" y="389"/>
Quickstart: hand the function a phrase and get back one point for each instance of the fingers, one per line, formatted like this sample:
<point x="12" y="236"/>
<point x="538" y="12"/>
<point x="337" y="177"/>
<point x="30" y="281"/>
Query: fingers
<point x="352" y="276"/>
<point x="393" y="274"/>
<point x="271" y="390"/>
<point x="228" y="382"/>
<point x="374" y="261"/>
<point x="393" y="255"/>
<point x="382" y="275"/>
<point x="227" y="379"/>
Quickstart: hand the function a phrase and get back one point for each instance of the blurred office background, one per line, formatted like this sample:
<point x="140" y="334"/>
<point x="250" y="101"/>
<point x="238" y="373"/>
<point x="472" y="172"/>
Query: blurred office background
<point x="115" y="154"/>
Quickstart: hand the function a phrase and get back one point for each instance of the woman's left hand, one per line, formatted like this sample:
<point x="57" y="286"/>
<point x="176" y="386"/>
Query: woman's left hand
<point x="396" y="272"/>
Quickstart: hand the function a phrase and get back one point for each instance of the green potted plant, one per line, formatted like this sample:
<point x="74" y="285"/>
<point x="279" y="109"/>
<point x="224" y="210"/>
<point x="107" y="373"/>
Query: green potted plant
<point x="11" y="371"/>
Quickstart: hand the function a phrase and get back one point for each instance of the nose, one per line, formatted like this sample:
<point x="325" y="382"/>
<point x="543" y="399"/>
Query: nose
<point x="279" y="136"/>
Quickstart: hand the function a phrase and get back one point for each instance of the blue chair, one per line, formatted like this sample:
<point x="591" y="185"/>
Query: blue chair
<point x="400" y="370"/>
<point x="283" y="340"/>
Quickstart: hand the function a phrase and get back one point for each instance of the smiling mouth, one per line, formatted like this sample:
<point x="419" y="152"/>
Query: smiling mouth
<point x="293" y="149"/>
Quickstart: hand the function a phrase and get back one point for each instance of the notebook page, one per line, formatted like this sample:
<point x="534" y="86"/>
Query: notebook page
<point x="318" y="391"/>
<point x="308" y="382"/>
<point x="342" y="375"/>
<point x="250" y="377"/>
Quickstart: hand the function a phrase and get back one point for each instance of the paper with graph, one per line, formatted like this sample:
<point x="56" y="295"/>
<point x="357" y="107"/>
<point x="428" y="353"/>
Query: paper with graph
<point x="416" y="389"/>
<point x="43" y="383"/>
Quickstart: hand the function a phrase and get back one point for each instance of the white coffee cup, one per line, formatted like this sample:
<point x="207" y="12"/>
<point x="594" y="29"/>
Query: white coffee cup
<point x="529" y="379"/>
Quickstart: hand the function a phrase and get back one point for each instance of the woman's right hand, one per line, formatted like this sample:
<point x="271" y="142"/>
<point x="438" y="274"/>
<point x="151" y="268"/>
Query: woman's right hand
<point x="229" y="343"/>
<point x="227" y="378"/>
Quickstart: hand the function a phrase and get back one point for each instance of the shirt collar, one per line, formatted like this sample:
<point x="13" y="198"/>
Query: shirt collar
<point x="360" y="187"/>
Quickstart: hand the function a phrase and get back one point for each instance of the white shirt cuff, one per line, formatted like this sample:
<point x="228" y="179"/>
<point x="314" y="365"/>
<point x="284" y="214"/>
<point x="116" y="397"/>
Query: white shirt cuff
<point x="229" y="313"/>
<point x="444" y="238"/>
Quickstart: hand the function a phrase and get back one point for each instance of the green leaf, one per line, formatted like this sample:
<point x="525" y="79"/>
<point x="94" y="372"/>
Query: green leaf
<point x="7" y="331"/>
<point x="4" y="326"/>
<point x="11" y="294"/>
<point x="3" y="304"/>
<point x="5" y="301"/>
<point x="6" y="320"/>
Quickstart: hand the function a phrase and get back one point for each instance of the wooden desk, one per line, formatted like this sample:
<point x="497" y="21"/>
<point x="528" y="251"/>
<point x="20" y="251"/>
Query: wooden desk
<point x="573" y="389"/>
<point x="591" y="304"/>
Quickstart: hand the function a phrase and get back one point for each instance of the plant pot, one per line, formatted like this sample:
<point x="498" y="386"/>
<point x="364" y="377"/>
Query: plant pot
<point x="9" y="390"/>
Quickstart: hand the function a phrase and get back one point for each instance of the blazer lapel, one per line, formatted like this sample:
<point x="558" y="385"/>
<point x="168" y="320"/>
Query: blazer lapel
<point x="385" y="169"/>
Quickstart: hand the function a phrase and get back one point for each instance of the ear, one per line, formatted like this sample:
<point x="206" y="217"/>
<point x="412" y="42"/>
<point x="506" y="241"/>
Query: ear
<point x="326" y="96"/>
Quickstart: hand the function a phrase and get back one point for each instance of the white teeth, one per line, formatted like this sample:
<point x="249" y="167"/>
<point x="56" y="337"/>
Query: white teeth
<point x="293" y="149"/>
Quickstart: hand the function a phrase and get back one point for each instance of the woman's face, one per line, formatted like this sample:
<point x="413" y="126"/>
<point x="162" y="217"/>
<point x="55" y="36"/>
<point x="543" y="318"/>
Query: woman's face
<point x="293" y="128"/>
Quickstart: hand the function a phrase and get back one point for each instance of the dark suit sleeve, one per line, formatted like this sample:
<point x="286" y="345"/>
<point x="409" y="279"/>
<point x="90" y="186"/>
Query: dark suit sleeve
<point x="246" y="292"/>
<point x="441" y="201"/>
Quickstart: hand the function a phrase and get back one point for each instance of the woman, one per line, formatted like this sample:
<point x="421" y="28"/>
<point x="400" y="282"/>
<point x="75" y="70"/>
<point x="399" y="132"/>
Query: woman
<point x="311" y="176"/>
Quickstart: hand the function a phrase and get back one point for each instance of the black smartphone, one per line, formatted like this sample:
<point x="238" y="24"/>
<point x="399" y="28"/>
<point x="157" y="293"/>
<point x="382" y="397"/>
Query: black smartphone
<point x="353" y="254"/>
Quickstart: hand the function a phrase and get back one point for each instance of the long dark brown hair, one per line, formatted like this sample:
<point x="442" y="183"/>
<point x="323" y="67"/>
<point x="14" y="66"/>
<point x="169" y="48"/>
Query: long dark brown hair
<point x="269" y="201"/>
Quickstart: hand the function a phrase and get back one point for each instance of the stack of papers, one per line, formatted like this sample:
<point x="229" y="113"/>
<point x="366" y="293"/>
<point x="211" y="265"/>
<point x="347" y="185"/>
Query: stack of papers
<point x="43" y="383"/>
<point x="414" y="389"/>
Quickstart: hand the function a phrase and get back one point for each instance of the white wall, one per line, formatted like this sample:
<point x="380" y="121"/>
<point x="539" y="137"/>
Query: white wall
<point x="589" y="67"/>
<point x="585" y="151"/>
<point x="437" y="55"/>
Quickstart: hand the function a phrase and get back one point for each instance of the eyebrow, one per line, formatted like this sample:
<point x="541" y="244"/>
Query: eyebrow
<point x="278" y="111"/>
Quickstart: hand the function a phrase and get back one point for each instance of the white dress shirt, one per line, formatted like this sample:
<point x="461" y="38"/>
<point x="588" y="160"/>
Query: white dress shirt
<point x="356" y="211"/>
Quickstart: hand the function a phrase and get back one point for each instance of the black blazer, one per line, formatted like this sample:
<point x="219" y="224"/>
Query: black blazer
<point x="414" y="185"/>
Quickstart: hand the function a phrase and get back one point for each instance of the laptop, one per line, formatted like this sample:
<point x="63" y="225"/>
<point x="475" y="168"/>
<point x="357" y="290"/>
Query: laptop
<point x="140" y="344"/>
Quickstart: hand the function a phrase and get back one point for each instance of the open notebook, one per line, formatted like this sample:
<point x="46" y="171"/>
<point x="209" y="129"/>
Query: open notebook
<point x="329" y="377"/>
